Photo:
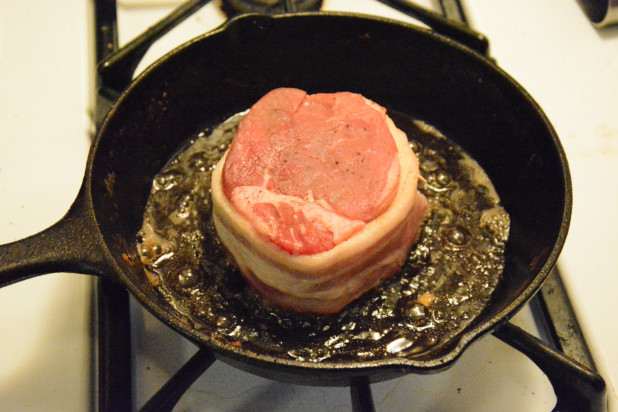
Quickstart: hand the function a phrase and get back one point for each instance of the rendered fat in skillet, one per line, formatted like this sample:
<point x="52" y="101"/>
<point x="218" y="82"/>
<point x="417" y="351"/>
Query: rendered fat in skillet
<point x="317" y="199"/>
<point x="447" y="279"/>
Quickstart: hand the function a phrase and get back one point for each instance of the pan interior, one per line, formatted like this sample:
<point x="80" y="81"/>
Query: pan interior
<point x="407" y="70"/>
<point x="445" y="283"/>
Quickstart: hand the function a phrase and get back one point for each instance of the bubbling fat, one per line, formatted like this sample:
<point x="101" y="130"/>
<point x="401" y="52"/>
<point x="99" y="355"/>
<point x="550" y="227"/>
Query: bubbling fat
<point x="445" y="282"/>
<point x="325" y="282"/>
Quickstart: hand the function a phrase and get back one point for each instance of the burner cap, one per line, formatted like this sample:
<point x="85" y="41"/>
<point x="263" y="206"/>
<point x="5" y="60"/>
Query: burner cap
<point x="235" y="7"/>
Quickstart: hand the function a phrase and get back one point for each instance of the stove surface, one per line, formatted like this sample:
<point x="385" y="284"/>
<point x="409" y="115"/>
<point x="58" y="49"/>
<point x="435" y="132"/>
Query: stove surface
<point x="45" y="129"/>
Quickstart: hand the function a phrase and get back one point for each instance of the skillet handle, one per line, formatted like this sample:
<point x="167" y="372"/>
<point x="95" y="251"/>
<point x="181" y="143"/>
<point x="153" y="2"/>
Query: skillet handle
<point x="577" y="387"/>
<point x="73" y="244"/>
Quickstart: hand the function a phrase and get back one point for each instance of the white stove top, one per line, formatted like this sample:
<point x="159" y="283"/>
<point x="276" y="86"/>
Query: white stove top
<point x="45" y="63"/>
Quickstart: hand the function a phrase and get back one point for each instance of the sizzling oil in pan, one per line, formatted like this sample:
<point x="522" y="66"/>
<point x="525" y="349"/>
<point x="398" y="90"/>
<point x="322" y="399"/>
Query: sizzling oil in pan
<point x="445" y="283"/>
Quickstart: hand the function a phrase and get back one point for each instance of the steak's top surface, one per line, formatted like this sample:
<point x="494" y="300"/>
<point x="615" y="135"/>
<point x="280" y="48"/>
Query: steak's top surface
<point x="309" y="171"/>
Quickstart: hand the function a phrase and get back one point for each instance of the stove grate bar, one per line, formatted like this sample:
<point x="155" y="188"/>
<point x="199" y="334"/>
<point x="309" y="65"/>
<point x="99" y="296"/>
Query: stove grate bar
<point x="362" y="399"/>
<point x="577" y="387"/>
<point x="562" y="325"/>
<point x="115" y="72"/>
<point x="454" y="30"/>
<point x="112" y="380"/>
<point x="170" y="393"/>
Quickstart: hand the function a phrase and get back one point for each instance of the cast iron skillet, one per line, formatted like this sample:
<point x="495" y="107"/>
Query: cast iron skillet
<point x="402" y="67"/>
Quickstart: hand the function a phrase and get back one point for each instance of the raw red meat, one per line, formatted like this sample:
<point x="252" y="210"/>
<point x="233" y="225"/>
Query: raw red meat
<point x="316" y="198"/>
<point x="309" y="171"/>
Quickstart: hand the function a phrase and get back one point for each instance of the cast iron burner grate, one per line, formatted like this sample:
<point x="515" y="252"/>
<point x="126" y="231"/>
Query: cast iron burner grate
<point x="235" y="7"/>
<point x="564" y="357"/>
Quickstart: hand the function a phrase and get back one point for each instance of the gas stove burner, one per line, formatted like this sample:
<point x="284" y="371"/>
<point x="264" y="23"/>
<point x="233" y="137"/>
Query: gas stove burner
<point x="236" y="7"/>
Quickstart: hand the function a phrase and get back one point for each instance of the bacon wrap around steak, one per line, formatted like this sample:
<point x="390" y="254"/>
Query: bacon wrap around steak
<point x="317" y="199"/>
